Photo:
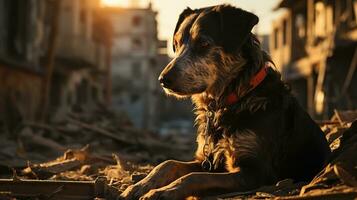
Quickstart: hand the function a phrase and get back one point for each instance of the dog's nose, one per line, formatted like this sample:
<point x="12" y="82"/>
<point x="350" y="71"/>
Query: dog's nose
<point x="164" y="81"/>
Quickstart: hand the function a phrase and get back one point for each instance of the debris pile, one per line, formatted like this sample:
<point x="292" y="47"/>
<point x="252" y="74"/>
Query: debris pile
<point x="85" y="146"/>
<point x="338" y="180"/>
<point x="100" y="154"/>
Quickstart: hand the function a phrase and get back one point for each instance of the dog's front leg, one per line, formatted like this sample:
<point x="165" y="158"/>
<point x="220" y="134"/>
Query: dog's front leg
<point x="200" y="184"/>
<point x="161" y="175"/>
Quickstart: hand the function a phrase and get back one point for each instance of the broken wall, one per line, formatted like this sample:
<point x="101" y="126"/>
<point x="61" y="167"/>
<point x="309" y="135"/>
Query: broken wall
<point x="20" y="95"/>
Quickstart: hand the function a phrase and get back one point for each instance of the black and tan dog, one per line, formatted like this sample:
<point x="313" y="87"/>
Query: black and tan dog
<point x="251" y="130"/>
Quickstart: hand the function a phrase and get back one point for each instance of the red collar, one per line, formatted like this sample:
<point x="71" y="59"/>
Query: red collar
<point x="233" y="98"/>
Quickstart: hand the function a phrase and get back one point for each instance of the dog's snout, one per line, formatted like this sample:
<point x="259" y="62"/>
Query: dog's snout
<point x="161" y="79"/>
<point x="165" y="81"/>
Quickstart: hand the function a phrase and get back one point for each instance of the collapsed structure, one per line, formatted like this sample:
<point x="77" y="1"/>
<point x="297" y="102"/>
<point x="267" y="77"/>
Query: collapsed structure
<point x="53" y="57"/>
<point x="314" y="43"/>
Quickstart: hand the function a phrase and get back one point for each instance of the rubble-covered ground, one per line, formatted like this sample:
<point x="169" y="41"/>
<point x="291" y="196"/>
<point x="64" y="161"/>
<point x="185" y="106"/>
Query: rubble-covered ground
<point x="97" y="154"/>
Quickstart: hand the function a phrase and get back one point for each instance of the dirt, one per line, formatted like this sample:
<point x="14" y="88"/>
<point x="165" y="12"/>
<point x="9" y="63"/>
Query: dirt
<point x="87" y="146"/>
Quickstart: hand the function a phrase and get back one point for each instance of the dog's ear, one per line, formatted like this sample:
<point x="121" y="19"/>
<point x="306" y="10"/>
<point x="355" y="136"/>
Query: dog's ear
<point x="182" y="17"/>
<point x="236" y="26"/>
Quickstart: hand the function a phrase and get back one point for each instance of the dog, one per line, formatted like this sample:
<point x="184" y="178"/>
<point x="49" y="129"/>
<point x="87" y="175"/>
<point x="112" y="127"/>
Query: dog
<point x="251" y="129"/>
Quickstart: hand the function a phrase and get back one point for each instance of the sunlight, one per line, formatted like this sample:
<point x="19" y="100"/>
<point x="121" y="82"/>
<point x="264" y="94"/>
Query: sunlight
<point x="320" y="102"/>
<point x="115" y="3"/>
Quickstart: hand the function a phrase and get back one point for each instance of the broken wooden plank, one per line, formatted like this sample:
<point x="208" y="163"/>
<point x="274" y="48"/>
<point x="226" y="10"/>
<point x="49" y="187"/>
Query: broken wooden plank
<point x="45" y="189"/>
<point x="334" y="193"/>
<point x="42" y="141"/>
<point x="103" y="132"/>
<point x="52" y="168"/>
<point x="70" y="160"/>
<point x="346" y="116"/>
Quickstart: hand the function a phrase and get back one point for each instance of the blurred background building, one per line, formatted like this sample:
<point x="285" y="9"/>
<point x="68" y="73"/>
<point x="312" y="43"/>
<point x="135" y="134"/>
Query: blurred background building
<point x="314" y="44"/>
<point x="51" y="58"/>
<point x="82" y="63"/>
<point x="57" y="56"/>
<point x="60" y="56"/>
<point x="138" y="57"/>
<point x="134" y="63"/>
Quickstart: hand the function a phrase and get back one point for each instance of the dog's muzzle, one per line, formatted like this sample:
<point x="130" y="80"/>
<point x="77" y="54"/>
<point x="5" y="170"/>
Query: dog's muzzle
<point x="164" y="81"/>
<point x="169" y="76"/>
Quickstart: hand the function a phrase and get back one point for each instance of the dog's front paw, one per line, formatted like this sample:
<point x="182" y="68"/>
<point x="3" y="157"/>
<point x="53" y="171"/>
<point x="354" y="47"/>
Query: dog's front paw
<point x="155" y="194"/>
<point x="162" y="194"/>
<point x="135" y="191"/>
<point x="129" y="192"/>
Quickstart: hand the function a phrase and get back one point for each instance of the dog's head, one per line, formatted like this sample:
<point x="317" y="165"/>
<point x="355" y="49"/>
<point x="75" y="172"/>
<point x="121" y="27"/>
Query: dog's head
<point x="207" y="44"/>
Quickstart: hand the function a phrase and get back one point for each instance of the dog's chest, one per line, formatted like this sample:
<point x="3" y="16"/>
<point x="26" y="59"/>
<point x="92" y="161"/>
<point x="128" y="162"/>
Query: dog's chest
<point x="235" y="148"/>
<point x="228" y="148"/>
<point x="230" y="139"/>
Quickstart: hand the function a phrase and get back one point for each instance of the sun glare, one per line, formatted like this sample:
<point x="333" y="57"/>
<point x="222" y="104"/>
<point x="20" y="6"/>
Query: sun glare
<point x="115" y="3"/>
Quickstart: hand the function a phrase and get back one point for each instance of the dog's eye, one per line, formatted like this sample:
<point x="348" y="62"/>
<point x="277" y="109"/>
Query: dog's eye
<point x="204" y="44"/>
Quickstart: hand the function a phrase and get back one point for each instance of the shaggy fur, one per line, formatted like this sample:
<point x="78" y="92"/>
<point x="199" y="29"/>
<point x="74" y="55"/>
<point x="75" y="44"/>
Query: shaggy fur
<point x="262" y="138"/>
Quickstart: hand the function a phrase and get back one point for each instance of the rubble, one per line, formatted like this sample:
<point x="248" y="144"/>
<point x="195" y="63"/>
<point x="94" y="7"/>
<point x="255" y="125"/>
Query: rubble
<point x="100" y="154"/>
<point x="84" y="146"/>
<point x="338" y="180"/>
<point x="45" y="189"/>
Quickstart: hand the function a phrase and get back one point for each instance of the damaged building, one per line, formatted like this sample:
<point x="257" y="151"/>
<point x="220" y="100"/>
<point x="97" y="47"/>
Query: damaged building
<point x="82" y="71"/>
<point x="52" y="58"/>
<point x="313" y="43"/>
<point x="135" y="64"/>
<point x="137" y="60"/>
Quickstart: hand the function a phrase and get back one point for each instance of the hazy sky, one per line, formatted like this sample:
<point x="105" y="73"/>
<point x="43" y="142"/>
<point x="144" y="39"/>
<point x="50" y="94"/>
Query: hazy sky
<point x="169" y="10"/>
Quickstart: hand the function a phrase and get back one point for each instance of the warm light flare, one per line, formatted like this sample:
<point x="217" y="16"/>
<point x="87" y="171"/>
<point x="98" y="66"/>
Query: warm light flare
<point x="319" y="106"/>
<point x="115" y="3"/>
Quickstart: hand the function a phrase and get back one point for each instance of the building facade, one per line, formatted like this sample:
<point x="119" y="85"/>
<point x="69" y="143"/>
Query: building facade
<point x="135" y="64"/>
<point x="82" y="69"/>
<point x="51" y="47"/>
<point x="314" y="44"/>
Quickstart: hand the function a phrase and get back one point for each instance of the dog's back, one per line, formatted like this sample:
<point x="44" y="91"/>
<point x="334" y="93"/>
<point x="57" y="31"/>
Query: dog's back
<point x="307" y="150"/>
